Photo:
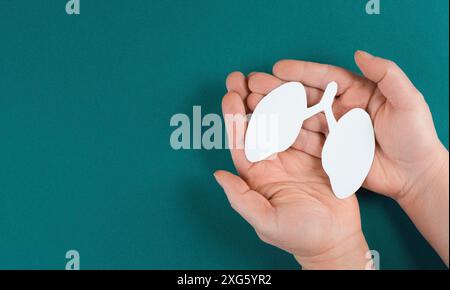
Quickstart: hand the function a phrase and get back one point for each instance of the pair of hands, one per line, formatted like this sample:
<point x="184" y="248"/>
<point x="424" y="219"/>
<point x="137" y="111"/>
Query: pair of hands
<point x="288" y="200"/>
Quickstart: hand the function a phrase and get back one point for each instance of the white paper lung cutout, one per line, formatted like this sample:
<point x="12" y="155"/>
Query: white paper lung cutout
<point x="348" y="151"/>
<point x="276" y="122"/>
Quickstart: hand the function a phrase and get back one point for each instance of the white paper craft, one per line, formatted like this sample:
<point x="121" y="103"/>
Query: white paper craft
<point x="348" y="151"/>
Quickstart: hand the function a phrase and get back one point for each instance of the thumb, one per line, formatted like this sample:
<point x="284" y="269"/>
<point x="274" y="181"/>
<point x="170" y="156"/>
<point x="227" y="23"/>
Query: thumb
<point x="390" y="79"/>
<point x="251" y="205"/>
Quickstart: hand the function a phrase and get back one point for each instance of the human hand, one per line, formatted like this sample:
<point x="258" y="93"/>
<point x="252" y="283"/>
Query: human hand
<point x="288" y="199"/>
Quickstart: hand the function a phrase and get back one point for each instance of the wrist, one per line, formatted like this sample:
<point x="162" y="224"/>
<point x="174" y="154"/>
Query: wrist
<point x="349" y="254"/>
<point x="427" y="205"/>
<point x="425" y="184"/>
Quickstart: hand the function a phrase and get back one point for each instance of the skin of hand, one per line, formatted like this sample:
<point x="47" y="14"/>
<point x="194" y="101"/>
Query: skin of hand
<point x="411" y="165"/>
<point x="288" y="199"/>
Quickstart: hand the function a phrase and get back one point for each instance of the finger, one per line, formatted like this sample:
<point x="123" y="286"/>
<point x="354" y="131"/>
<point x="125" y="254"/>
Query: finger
<point x="391" y="80"/>
<point x="310" y="142"/>
<point x="313" y="96"/>
<point x="237" y="82"/>
<point x="253" y="100"/>
<point x="315" y="74"/>
<point x="236" y="123"/>
<point x="317" y="123"/>
<point x="263" y="83"/>
<point x="251" y="205"/>
<point x="358" y="96"/>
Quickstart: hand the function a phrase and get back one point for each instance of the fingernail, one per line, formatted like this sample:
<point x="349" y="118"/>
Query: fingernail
<point x="217" y="179"/>
<point x="364" y="53"/>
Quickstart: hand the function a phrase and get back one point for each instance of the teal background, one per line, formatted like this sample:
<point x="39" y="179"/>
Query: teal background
<point x="85" y="104"/>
